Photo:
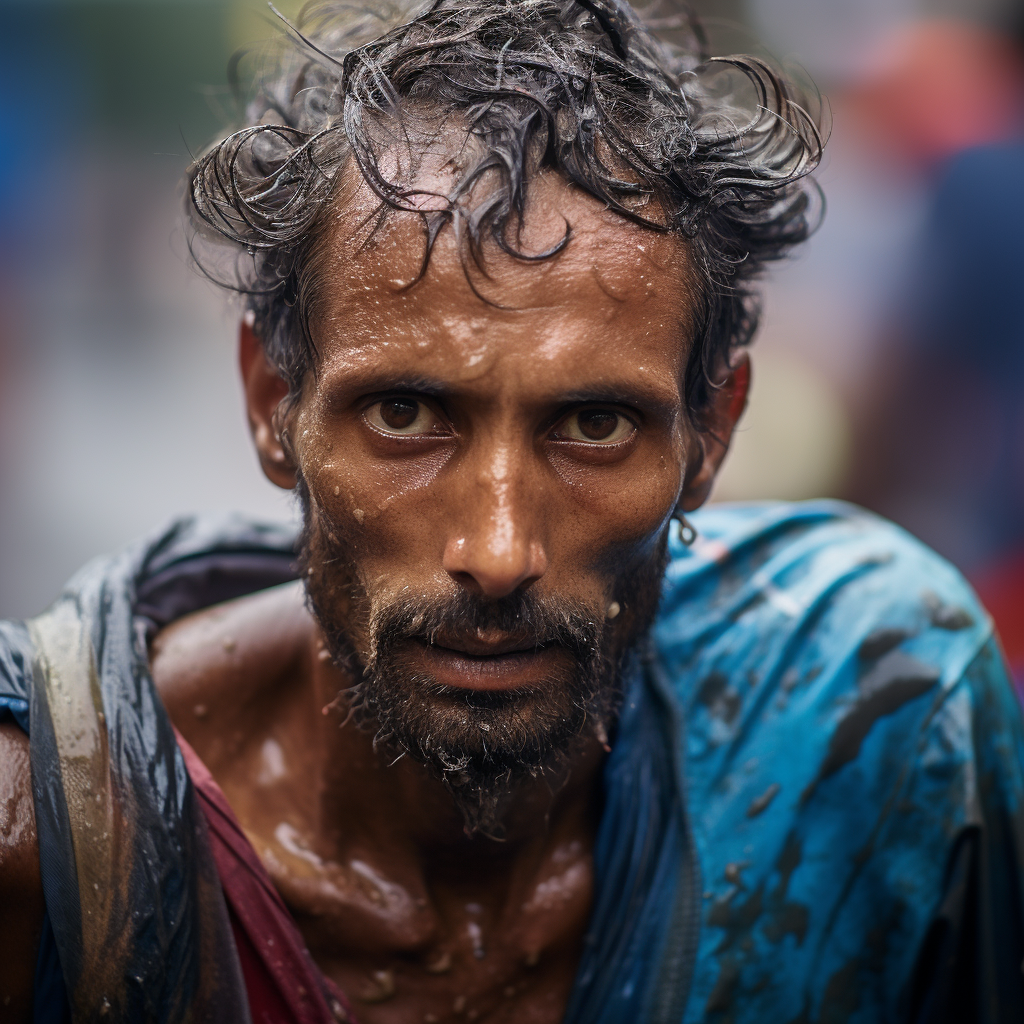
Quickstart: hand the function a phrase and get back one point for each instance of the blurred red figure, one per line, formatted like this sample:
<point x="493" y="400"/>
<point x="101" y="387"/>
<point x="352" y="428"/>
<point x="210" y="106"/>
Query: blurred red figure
<point x="936" y="88"/>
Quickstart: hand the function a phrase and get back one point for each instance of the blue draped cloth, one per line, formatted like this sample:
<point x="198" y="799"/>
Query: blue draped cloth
<point x="812" y="808"/>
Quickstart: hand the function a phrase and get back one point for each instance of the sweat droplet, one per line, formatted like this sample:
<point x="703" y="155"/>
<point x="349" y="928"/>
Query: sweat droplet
<point x="380" y="988"/>
<point x="442" y="965"/>
<point x="614" y="609"/>
<point x="359" y="514"/>
<point x="337" y="490"/>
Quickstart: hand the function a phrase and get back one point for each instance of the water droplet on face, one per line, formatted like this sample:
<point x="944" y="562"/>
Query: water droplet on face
<point x="613" y="610"/>
<point x="476" y="937"/>
<point x="359" y="514"/>
<point x="442" y="965"/>
<point x="337" y="491"/>
<point x="380" y="988"/>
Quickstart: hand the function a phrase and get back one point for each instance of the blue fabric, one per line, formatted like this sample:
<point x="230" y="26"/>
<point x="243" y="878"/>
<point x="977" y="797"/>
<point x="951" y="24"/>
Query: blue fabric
<point x="821" y="731"/>
<point x="848" y="723"/>
<point x="647" y="894"/>
<point x="50" y="995"/>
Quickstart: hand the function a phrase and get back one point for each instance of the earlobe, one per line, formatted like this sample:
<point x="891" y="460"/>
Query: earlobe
<point x="264" y="392"/>
<point x="727" y="405"/>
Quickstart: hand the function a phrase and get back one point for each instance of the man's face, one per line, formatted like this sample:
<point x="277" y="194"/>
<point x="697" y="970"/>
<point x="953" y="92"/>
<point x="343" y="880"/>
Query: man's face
<point x="490" y="482"/>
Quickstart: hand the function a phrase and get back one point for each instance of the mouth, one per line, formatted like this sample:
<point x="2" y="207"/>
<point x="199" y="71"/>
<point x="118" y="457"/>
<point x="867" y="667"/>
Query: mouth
<point x="477" y="665"/>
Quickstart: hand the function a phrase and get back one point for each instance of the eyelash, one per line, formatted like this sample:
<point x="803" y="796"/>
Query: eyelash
<point x="565" y="418"/>
<point x="624" y="419"/>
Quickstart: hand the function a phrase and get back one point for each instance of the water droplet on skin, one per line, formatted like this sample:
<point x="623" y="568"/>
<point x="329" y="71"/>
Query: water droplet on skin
<point x="337" y="491"/>
<point x="199" y="711"/>
<point x="380" y="988"/>
<point x="476" y="937"/>
<point x="442" y="965"/>
<point x="359" y="515"/>
<point x="613" y="610"/>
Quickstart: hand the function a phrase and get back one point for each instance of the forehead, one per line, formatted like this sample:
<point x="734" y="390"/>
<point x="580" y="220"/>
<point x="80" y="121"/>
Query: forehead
<point x="617" y="298"/>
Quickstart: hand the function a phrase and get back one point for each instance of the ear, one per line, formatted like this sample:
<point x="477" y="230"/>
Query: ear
<point x="264" y="390"/>
<point x="727" y="405"/>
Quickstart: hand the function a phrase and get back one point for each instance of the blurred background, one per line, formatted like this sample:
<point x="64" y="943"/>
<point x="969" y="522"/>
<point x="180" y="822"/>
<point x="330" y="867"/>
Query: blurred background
<point x="890" y="369"/>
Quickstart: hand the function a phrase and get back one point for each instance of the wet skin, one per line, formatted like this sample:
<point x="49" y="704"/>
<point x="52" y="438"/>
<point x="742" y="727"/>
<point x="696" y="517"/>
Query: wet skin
<point x="541" y="442"/>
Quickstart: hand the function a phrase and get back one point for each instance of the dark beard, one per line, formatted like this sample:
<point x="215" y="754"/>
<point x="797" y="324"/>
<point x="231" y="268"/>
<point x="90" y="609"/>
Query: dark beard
<point x="481" y="744"/>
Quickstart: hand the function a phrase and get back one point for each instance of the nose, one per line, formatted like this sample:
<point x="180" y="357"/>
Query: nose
<point x="496" y="547"/>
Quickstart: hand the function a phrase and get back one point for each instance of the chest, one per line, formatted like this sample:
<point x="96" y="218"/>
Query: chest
<point x="408" y="949"/>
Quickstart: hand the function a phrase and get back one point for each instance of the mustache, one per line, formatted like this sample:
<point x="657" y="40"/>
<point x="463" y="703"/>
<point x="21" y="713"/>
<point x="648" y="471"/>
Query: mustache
<point x="522" y="619"/>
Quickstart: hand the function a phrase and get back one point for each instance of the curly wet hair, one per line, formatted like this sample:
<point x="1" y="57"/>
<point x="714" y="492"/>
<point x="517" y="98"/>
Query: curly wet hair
<point x="629" y="109"/>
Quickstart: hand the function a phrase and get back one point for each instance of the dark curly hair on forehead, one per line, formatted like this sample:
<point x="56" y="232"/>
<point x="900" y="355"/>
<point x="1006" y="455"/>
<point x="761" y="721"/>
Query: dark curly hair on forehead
<point x="630" y="110"/>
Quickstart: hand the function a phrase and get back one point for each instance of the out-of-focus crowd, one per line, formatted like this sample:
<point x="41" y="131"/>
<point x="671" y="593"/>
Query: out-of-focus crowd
<point x="907" y="311"/>
<point x="890" y="370"/>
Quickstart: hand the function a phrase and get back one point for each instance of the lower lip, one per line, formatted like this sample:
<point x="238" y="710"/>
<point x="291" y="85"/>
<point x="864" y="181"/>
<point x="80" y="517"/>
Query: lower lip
<point x="496" y="672"/>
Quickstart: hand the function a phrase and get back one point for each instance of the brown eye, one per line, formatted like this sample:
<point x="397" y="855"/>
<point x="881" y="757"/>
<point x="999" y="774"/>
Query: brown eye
<point x="404" y="416"/>
<point x="399" y="413"/>
<point x="597" y="426"/>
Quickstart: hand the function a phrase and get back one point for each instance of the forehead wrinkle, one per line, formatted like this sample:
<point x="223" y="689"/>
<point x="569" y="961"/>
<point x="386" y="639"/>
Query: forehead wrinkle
<point x="368" y="313"/>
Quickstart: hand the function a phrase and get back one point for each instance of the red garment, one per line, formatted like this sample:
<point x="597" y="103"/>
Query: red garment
<point x="1001" y="589"/>
<point x="284" y="984"/>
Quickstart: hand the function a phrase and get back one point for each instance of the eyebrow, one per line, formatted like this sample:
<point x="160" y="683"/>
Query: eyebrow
<point x="622" y="393"/>
<point x="374" y="381"/>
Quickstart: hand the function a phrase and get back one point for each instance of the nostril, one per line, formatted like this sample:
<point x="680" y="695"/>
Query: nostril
<point x="493" y="571"/>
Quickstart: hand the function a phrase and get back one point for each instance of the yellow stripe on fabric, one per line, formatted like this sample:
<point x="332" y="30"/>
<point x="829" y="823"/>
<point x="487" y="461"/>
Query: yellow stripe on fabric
<point x="66" y="667"/>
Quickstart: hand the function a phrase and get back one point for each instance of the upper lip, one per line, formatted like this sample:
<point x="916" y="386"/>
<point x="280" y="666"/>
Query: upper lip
<point x="477" y="648"/>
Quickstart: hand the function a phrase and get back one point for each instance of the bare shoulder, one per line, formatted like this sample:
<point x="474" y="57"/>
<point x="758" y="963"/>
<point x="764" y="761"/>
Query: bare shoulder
<point x="221" y="667"/>
<point x="21" y="892"/>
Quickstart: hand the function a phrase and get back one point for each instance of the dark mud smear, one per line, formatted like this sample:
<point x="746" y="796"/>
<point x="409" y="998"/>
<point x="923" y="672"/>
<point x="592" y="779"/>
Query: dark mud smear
<point x="760" y="803"/>
<point x="896" y="679"/>
<point x="947" y="616"/>
<point x="880" y="642"/>
<point x="721" y="700"/>
<point x="776" y="916"/>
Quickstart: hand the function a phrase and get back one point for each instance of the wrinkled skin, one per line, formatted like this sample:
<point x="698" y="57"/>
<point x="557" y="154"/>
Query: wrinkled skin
<point x="538" y="443"/>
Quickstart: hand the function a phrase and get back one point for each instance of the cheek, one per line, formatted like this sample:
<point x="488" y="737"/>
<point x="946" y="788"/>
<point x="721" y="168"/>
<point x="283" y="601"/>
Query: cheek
<point x="617" y="514"/>
<point x="362" y="495"/>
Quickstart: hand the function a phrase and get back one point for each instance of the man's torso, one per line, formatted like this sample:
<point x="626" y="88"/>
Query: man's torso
<point x="461" y="933"/>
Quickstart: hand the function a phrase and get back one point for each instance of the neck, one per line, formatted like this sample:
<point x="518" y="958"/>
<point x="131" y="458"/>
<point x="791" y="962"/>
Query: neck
<point x="399" y="802"/>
